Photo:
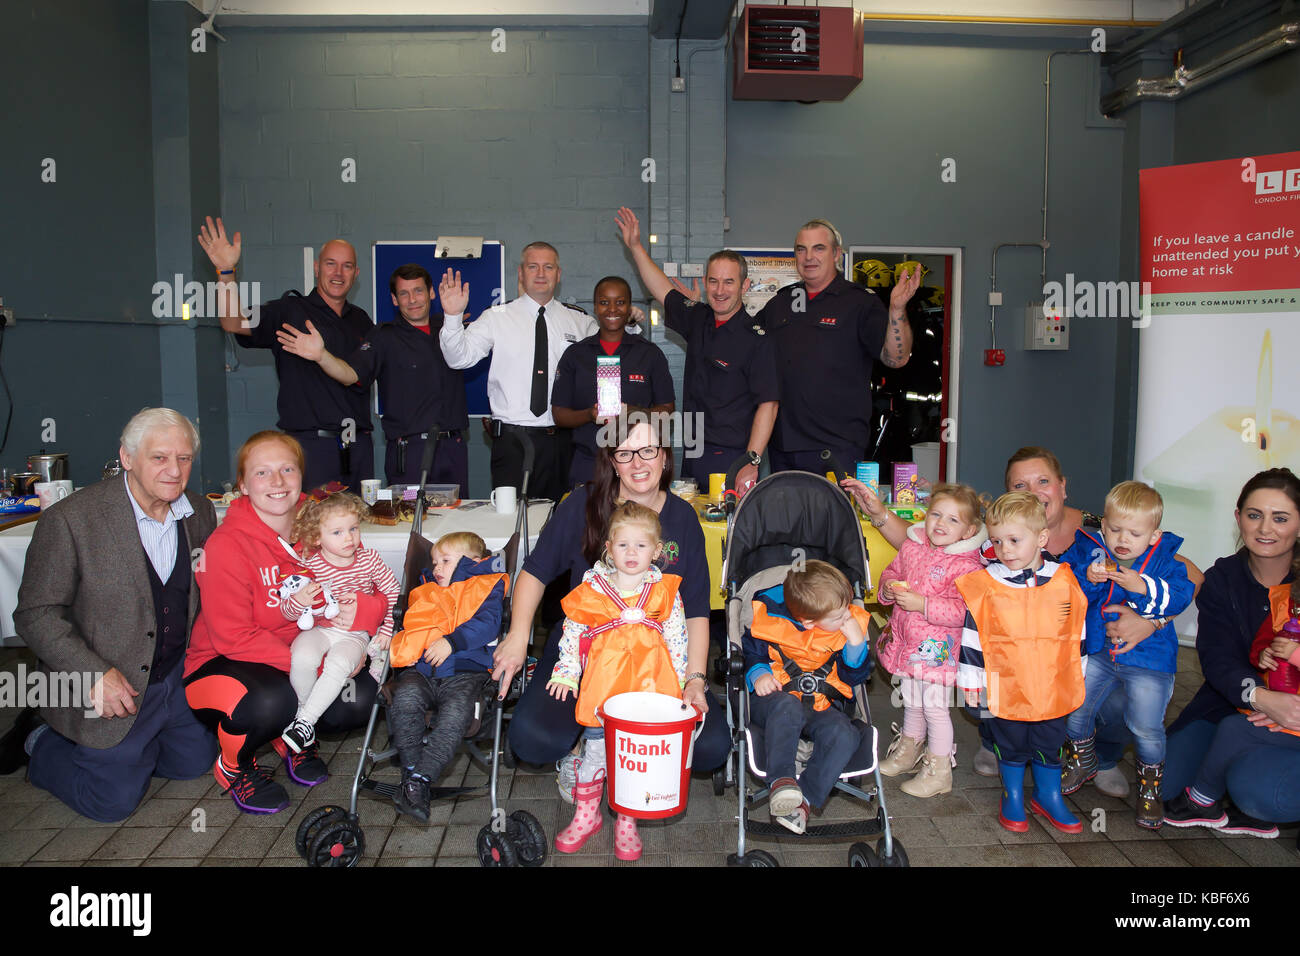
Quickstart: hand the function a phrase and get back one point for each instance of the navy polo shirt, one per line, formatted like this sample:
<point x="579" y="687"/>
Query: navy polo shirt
<point x="309" y="399"/>
<point x="646" y="379"/>
<point x="416" y="386"/>
<point x="730" y="369"/>
<point x="824" y="356"/>
<point x="559" y="548"/>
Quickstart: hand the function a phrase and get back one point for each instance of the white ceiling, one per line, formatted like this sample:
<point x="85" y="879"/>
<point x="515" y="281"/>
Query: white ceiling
<point x="593" y="12"/>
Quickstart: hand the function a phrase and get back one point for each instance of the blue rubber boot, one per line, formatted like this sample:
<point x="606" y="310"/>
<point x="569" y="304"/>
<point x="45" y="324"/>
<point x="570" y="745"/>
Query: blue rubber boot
<point x="1047" y="799"/>
<point x="1011" y="812"/>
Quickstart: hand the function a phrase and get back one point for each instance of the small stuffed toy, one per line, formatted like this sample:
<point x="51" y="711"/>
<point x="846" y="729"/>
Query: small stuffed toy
<point x="324" y="606"/>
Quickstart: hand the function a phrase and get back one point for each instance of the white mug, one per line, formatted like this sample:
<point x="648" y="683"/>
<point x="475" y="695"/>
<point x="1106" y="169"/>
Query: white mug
<point x="370" y="490"/>
<point x="51" y="491"/>
<point x="503" y="499"/>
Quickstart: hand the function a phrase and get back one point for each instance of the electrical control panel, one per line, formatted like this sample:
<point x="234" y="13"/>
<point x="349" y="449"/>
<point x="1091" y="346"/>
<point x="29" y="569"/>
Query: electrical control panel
<point x="1046" y="331"/>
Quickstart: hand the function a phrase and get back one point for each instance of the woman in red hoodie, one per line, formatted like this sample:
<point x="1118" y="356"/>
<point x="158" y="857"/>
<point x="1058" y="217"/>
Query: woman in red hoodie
<point x="237" y="666"/>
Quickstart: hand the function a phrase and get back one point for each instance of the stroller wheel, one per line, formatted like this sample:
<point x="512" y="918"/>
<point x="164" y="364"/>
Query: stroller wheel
<point x="340" y="843"/>
<point x="899" y="858"/>
<point x="720" y="781"/>
<point x="529" y="838"/>
<point x="861" y="855"/>
<point x="495" y="849"/>
<point x="753" y="858"/>
<point x="312" y="825"/>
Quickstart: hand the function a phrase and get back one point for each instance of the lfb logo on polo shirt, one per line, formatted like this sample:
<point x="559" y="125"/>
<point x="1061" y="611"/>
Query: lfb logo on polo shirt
<point x="828" y="321"/>
<point x="636" y="379"/>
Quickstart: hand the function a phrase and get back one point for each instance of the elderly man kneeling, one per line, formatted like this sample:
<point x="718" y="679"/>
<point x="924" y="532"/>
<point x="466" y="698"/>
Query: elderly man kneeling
<point x="106" y="603"/>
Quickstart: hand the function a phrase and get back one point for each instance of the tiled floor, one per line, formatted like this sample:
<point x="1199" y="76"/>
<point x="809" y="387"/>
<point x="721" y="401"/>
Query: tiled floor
<point x="191" y="823"/>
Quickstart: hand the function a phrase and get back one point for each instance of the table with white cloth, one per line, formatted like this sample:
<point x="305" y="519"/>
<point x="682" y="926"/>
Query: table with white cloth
<point x="390" y="541"/>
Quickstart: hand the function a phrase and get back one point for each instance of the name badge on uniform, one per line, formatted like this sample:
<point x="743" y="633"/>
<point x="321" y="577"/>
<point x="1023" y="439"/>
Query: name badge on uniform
<point x="827" y="322"/>
<point x="365" y="346"/>
<point x="721" y="364"/>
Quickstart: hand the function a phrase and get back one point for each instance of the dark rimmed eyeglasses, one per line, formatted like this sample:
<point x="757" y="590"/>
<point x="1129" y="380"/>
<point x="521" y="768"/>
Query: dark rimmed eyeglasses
<point x="648" y="452"/>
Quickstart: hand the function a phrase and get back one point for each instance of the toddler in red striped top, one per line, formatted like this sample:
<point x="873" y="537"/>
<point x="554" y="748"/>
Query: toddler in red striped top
<point x="329" y="535"/>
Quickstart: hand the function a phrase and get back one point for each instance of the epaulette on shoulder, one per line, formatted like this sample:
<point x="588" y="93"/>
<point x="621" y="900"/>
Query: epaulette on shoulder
<point x="576" y="308"/>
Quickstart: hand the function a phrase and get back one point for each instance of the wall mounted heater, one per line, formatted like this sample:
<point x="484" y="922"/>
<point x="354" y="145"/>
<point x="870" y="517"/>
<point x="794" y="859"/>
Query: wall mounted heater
<point x="796" y="53"/>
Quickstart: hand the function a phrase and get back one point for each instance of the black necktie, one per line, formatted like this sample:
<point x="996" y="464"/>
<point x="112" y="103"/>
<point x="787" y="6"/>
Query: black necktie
<point x="538" y="402"/>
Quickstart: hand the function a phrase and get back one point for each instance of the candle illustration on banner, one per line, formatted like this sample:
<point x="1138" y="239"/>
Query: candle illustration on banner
<point x="1201" y="473"/>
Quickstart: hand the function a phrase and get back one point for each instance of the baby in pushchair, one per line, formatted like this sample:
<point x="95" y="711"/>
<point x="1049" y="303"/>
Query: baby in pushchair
<point x="450" y="629"/>
<point x="804" y="652"/>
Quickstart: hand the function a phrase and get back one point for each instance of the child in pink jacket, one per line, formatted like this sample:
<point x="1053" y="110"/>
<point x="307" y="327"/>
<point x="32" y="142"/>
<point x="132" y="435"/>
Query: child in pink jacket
<point x="925" y="639"/>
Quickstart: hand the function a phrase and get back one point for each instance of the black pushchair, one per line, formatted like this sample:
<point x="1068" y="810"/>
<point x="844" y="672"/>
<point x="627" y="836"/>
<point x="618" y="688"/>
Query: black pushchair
<point x="331" y="835"/>
<point x="786" y="517"/>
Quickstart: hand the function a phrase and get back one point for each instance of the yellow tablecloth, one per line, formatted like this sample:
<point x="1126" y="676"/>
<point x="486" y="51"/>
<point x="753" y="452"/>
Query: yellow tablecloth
<point x="879" y="553"/>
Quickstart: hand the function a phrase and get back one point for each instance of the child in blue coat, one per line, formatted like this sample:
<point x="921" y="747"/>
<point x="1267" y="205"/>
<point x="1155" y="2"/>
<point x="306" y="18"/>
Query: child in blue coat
<point x="1132" y="562"/>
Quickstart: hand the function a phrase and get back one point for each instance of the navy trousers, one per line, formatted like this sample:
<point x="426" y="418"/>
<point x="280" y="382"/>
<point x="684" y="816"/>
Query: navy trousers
<point x="107" y="785"/>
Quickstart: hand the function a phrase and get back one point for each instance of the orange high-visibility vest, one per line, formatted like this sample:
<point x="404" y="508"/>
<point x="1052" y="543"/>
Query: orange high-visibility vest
<point x="808" y="649"/>
<point x="1030" y="639"/>
<point x="434" y="611"/>
<point x="624" y="654"/>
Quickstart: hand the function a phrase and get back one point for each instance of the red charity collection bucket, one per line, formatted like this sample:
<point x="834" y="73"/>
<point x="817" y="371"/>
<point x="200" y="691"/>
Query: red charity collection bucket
<point x="649" y="742"/>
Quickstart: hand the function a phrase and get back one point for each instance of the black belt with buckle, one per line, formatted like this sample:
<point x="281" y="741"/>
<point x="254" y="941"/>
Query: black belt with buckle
<point x="423" y="436"/>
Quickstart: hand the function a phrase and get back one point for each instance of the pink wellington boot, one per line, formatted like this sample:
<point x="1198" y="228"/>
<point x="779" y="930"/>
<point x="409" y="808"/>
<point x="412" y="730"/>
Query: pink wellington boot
<point x="627" y="842"/>
<point x="586" y="816"/>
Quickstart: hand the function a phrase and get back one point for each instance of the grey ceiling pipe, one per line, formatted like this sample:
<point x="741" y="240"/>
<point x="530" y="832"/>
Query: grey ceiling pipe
<point x="1187" y="79"/>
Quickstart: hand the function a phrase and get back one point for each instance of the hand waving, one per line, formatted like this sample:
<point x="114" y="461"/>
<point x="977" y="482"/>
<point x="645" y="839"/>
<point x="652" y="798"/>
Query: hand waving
<point x="308" y="345"/>
<point x="453" y="294"/>
<point x="628" y="227"/>
<point x="223" y="253"/>
<point x="904" y="289"/>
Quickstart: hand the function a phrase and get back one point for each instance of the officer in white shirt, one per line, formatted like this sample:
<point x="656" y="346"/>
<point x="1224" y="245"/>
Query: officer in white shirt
<point x="526" y="338"/>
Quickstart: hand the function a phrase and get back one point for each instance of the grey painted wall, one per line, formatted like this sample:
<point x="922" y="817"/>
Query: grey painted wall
<point x="871" y="164"/>
<point x="77" y="254"/>
<point x="541" y="141"/>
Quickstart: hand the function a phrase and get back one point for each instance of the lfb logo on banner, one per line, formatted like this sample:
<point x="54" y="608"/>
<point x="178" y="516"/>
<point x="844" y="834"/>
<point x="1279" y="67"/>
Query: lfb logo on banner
<point x="1277" y="181"/>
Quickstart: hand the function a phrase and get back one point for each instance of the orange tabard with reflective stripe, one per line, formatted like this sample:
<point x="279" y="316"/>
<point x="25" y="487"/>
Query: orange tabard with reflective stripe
<point x="434" y="611"/>
<point x="1030" y="638"/>
<point x="809" y="648"/>
<point x="629" y="657"/>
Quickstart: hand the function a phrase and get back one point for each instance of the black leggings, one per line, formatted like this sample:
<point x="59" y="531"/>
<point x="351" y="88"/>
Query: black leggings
<point x="250" y="704"/>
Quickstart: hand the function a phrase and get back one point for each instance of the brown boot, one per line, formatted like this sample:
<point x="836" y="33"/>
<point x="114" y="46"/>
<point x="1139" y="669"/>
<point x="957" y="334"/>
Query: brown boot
<point x="1150" y="807"/>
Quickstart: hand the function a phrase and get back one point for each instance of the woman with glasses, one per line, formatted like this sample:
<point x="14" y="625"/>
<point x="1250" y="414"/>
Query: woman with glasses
<point x="543" y="729"/>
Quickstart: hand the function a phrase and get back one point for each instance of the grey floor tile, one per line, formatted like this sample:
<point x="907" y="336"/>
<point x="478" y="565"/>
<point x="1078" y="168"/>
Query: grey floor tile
<point x="168" y="861"/>
<point x="132" y="843"/>
<point x="959" y="856"/>
<point x="160" y="812"/>
<point x="829" y="855"/>
<point x="584" y="857"/>
<point x="1151" y="853"/>
<point x="916" y="831"/>
<point x="250" y="844"/>
<point x="283" y="861"/>
<point x="1040" y="854"/>
<point x="127" y="862"/>
<point x="420" y="861"/>
<point x="17" y="846"/>
<point x="533" y="786"/>
<point x="465" y="861"/>
<point x="1257" y="852"/>
<point x="48" y="815"/>
<point x="1207" y="852"/>
<point x="185" y="843"/>
<point x="688" y="837"/>
<point x="1095" y="854"/>
<point x="214" y="861"/>
<point x="73" y="845"/>
<point x="413" y="842"/>
<point x="194" y="789"/>
<point x="946" y="805"/>
<point x="459" y="840"/>
<point x="15" y="790"/>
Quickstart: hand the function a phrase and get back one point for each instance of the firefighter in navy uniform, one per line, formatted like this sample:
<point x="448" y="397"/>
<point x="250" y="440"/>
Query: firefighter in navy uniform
<point x="331" y="421"/>
<point x="828" y="333"/>
<point x="730" y="377"/>
<point x="417" y="389"/>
